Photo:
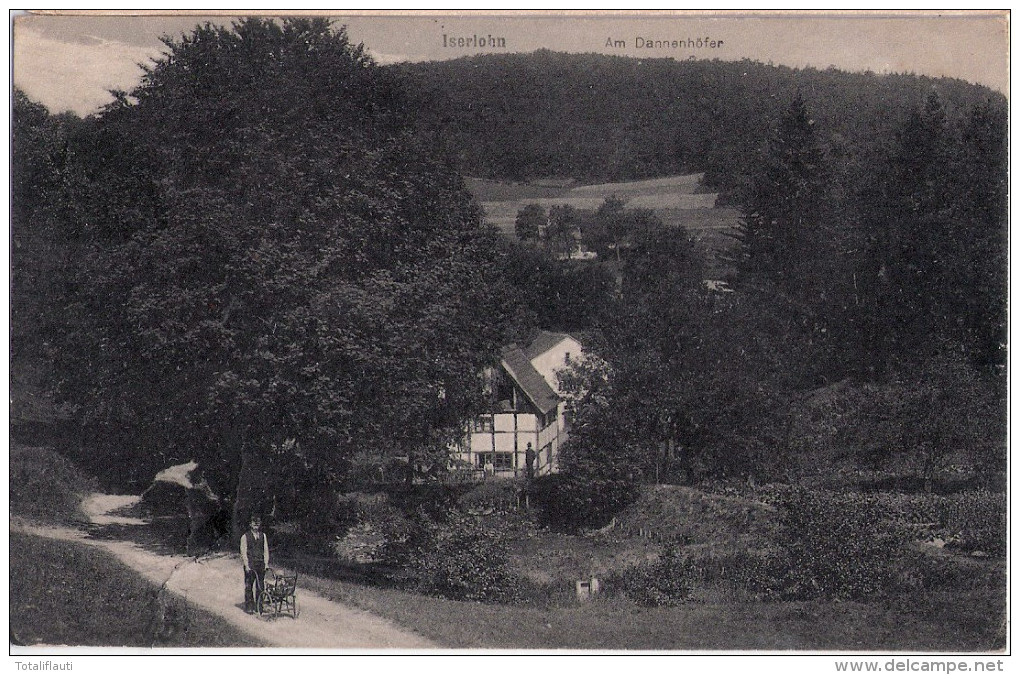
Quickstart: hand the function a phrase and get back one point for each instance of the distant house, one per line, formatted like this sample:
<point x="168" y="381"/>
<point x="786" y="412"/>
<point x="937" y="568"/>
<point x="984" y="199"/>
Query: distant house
<point x="717" y="286"/>
<point x="527" y="411"/>
<point x="577" y="250"/>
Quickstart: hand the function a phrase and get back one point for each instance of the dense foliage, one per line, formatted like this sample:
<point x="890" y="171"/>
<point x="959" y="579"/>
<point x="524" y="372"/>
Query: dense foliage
<point x="888" y="304"/>
<point x="257" y="258"/>
<point x="266" y="266"/>
<point x="666" y="582"/>
<point x="463" y="559"/>
<point x="830" y="551"/>
<point x="595" y="117"/>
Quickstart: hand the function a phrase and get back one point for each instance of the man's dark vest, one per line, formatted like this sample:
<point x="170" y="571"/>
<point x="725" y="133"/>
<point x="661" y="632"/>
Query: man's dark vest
<point x="256" y="549"/>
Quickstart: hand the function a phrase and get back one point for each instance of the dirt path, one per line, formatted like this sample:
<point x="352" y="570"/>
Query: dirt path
<point x="215" y="583"/>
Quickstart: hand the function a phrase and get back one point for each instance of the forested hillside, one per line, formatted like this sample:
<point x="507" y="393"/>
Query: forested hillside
<point x="593" y="117"/>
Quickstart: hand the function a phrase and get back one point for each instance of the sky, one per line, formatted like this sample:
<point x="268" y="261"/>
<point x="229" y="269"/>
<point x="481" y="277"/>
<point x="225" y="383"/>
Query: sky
<point x="70" y="62"/>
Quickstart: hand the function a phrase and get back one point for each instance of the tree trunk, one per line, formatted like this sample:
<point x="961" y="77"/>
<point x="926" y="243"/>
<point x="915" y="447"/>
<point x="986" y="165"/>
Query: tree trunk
<point x="244" y="479"/>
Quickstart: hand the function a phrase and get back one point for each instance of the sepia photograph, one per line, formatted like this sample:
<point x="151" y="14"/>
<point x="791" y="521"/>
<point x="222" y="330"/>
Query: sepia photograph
<point x="510" y="333"/>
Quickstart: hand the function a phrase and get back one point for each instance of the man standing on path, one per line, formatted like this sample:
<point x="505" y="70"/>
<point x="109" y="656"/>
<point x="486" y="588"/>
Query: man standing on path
<point x="255" y="558"/>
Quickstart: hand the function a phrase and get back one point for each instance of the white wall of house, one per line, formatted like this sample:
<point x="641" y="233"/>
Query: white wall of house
<point x="504" y="437"/>
<point x="509" y="436"/>
<point x="556" y="359"/>
<point x="548" y="364"/>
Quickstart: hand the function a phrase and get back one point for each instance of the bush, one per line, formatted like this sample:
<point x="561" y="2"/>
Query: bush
<point x="433" y="500"/>
<point x="499" y="496"/>
<point x="321" y="517"/>
<point x="667" y="582"/>
<point x="764" y="574"/>
<point x="402" y="536"/>
<point x="837" y="548"/>
<point x="827" y="546"/>
<point x="975" y="521"/>
<point x="46" y="486"/>
<point x="967" y="521"/>
<point x="919" y="570"/>
<point x="571" y="502"/>
<point x="463" y="560"/>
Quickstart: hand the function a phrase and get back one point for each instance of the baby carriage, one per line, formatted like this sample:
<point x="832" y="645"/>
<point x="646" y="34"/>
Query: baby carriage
<point x="278" y="596"/>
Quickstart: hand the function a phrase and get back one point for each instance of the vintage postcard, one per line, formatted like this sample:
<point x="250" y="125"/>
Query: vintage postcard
<point x="438" y="333"/>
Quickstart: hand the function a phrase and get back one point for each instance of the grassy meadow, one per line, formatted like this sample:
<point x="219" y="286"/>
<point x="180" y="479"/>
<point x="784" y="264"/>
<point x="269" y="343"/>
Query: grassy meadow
<point x="677" y="200"/>
<point x="66" y="593"/>
<point x="939" y="623"/>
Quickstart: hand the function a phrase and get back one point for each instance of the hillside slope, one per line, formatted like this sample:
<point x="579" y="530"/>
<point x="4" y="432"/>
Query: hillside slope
<point x="594" y="117"/>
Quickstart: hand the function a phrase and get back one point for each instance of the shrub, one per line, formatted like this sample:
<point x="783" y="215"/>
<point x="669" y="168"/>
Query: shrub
<point x="826" y="546"/>
<point x="402" y="536"/>
<point x="968" y="521"/>
<point x="919" y="570"/>
<point x="463" y="560"/>
<point x="766" y="575"/>
<point x="571" y="502"/>
<point x="321" y="517"/>
<point x="667" y="582"/>
<point x="433" y="500"/>
<point x="835" y="548"/>
<point x="492" y="496"/>
<point x="975" y="521"/>
<point x="46" y="486"/>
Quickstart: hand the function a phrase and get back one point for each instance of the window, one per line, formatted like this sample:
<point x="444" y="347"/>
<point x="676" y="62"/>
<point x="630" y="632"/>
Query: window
<point x="501" y="461"/>
<point x="482" y="424"/>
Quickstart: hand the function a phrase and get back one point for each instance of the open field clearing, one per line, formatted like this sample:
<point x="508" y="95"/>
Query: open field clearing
<point x="686" y="184"/>
<point x="694" y="220"/>
<point x="668" y="200"/>
<point x="672" y="198"/>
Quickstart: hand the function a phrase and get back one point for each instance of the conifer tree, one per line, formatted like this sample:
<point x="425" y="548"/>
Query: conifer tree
<point x="783" y="233"/>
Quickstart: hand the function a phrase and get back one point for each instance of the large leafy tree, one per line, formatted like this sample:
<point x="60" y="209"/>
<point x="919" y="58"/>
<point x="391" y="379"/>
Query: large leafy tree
<point x="613" y="226"/>
<point x="39" y="155"/>
<point x="694" y="383"/>
<point x="270" y="265"/>
<point x="559" y="234"/>
<point x="530" y="221"/>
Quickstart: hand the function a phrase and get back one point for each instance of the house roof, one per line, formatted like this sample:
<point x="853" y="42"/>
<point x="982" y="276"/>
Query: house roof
<point x="518" y="366"/>
<point x="545" y="341"/>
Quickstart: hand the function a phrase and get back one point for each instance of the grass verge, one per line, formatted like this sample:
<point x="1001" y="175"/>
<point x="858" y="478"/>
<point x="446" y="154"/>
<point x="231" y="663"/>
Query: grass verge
<point x="46" y="487"/>
<point x="65" y="593"/>
<point x="969" y="618"/>
<point x="68" y="593"/>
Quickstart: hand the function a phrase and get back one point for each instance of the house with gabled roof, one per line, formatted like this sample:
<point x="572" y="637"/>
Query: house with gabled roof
<point x="527" y="424"/>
